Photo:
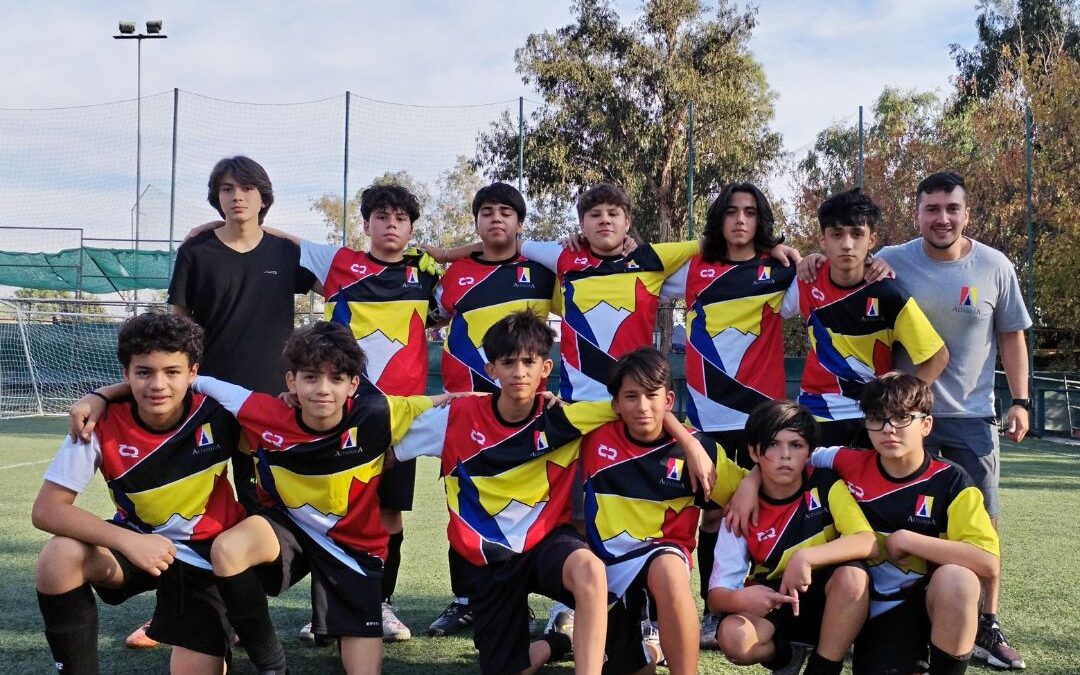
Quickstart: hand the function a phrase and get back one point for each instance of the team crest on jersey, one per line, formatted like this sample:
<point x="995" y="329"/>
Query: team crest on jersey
<point x="348" y="438"/>
<point x="817" y="294"/>
<point x="411" y="276"/>
<point x="524" y="275"/>
<point x="924" y="506"/>
<point x="673" y="470"/>
<point x="127" y="450"/>
<point x="813" y="500"/>
<point x="764" y="273"/>
<point x="969" y="296"/>
<point x="204" y="436"/>
<point x="873" y="310"/>
<point x="632" y="265"/>
<point x="541" y="443"/>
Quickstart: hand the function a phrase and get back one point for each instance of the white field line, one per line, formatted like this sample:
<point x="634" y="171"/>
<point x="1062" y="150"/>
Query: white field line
<point x="15" y="466"/>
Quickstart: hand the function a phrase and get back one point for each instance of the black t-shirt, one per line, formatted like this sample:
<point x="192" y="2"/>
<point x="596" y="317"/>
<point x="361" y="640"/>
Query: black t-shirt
<point x="244" y="302"/>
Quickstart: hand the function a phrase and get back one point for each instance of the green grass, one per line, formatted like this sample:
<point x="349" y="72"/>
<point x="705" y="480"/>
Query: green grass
<point x="1041" y="497"/>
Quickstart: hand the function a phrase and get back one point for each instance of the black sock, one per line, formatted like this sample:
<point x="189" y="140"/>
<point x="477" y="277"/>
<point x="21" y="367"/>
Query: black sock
<point x="989" y="617"/>
<point x="781" y="654"/>
<point x="249" y="614"/>
<point x="559" y="643"/>
<point x="943" y="663"/>
<point x="393" y="564"/>
<point x="819" y="665"/>
<point x="71" y="629"/>
<point x="706" y="551"/>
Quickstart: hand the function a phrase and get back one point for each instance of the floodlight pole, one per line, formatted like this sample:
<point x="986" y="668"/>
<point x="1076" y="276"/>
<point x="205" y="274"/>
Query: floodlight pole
<point x="138" y="37"/>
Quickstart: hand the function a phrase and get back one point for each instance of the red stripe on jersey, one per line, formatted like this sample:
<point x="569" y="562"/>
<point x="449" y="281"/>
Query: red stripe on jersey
<point x="637" y="329"/>
<point x="401" y="375"/>
<point x="222" y="511"/>
<point x="361" y="529"/>
<point x="859" y="469"/>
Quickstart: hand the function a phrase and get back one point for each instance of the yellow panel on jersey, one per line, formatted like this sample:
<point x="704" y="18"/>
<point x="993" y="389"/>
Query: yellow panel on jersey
<point x="676" y="254"/>
<point x="970" y="523"/>
<point x="728" y="476"/>
<point x="329" y="495"/>
<point x="769" y="573"/>
<point x="388" y="318"/>
<point x="742" y="314"/>
<point x="914" y="331"/>
<point x="638" y="518"/>
<point x="403" y="409"/>
<point x="186" y="498"/>
<point x="522" y="484"/>
<point x="845" y="511"/>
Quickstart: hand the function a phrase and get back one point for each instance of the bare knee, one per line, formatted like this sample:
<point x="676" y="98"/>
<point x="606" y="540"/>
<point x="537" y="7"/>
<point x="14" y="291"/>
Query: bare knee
<point x="848" y="584"/>
<point x="668" y="571"/>
<point x="585" y="574"/>
<point x="737" y="637"/>
<point x="954" y="586"/>
<point x="228" y="555"/>
<point x="62" y="564"/>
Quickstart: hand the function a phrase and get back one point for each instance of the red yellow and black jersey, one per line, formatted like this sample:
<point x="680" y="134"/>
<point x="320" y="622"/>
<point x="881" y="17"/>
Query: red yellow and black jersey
<point x="174" y="483"/>
<point x="474" y="294"/>
<point x="735" y="341"/>
<point x="508" y="485"/>
<point x="821" y="511"/>
<point x="385" y="305"/>
<point x="852" y="333"/>
<point x="326" y="481"/>
<point x="609" y="307"/>
<point x="936" y="500"/>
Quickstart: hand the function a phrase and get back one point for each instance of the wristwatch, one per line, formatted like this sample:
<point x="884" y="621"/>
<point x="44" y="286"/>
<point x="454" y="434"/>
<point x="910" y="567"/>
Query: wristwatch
<point x="1024" y="403"/>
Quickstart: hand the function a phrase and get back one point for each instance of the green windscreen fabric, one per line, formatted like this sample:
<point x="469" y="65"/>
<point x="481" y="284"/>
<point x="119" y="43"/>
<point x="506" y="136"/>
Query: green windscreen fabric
<point x="93" y="270"/>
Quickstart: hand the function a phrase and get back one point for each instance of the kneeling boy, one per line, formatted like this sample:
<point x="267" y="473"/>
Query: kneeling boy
<point x="319" y="467"/>
<point x="641" y="513"/>
<point x="805" y="585"/>
<point x="164" y="453"/>
<point x="936" y="540"/>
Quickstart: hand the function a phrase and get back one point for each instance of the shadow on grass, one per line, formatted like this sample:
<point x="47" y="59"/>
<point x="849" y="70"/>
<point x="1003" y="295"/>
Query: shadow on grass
<point x="1035" y="470"/>
<point x="35" y="426"/>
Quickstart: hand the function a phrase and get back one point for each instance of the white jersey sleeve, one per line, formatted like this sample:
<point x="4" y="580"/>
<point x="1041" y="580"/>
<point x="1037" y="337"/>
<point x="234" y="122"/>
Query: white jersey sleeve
<point x="231" y="396"/>
<point x="426" y="436"/>
<point x="731" y="561"/>
<point x="790" y="306"/>
<point x="823" y="458"/>
<point x="544" y="252"/>
<point x="75" y="464"/>
<point x="317" y="258"/>
<point x="674" y="287"/>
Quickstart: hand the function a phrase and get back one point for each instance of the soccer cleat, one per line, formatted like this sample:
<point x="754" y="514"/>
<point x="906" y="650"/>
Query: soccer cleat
<point x="139" y="639"/>
<point x="393" y="628"/>
<point x="710" y="623"/>
<point x="557" y="609"/>
<point x="319" y="640"/>
<point x="798" y="656"/>
<point x="991" y="646"/>
<point x="455" y="617"/>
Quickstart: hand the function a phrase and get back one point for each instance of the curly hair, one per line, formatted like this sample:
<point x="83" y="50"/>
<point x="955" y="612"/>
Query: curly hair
<point x="324" y="346"/>
<point x="154" y="332"/>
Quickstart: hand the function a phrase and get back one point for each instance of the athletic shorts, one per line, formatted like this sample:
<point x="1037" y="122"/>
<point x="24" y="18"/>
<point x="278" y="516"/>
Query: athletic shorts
<point x="896" y="642"/>
<point x="396" y="486"/>
<point x="623" y="649"/>
<point x="344" y="602"/>
<point x="849" y="433"/>
<point x="972" y="443"/>
<point x="733" y="442"/>
<point x="189" y="611"/>
<point x="500" y="601"/>
<point x="806" y="628"/>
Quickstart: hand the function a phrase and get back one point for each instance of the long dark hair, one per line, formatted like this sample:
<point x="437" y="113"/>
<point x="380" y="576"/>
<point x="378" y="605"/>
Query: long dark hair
<point x="713" y="244"/>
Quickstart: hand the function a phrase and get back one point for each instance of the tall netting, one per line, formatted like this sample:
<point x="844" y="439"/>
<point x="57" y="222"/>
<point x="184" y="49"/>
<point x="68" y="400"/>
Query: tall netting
<point x="69" y="227"/>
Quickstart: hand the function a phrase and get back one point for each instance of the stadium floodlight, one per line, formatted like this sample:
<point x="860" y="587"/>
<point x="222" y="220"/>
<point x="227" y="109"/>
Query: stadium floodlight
<point x="127" y="32"/>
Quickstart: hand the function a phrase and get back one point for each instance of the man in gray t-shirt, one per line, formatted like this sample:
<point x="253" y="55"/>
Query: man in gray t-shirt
<point x="970" y="293"/>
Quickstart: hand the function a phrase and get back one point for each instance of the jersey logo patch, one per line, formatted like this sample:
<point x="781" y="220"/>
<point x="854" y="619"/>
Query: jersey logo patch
<point x="127" y="450"/>
<point x="707" y="273"/>
<point x="478" y="437"/>
<point x="969" y="296"/>
<point x="872" y="309"/>
<point x="348" y="438"/>
<point x="541" y="443"/>
<point x="632" y="265"/>
<point x="204" y="436"/>
<point x="270" y="438"/>
<point x="411" y="276"/>
<point x="924" y="506"/>
<point x="764" y="273"/>
<point x="524" y="275"/>
<point x="767" y="534"/>
<point x="674" y="469"/>
<point x="813" y="501"/>
<point x="817" y="294"/>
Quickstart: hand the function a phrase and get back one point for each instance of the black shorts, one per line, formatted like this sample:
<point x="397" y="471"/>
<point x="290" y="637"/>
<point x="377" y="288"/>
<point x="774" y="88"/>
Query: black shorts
<point x="500" y="602"/>
<point x="896" y="642"/>
<point x="623" y="649"/>
<point x="397" y="485"/>
<point x="734" y="444"/>
<point x="189" y="611"/>
<point x="344" y="601"/>
<point x="805" y="628"/>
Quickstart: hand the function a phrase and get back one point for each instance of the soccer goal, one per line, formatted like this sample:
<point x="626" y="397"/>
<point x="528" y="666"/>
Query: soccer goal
<point x="53" y="351"/>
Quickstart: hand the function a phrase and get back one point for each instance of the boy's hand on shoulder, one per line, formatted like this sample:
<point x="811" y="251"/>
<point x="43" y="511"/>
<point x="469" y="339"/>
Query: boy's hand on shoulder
<point x="551" y="400"/>
<point x="877" y="269"/>
<point x="786" y="255"/>
<point x="759" y="600"/>
<point x="290" y="399"/>
<point x="152" y="553"/>
<point x="83" y="416"/>
<point x="742" y="510"/>
<point x="574" y="242"/>
<point x="807" y="269"/>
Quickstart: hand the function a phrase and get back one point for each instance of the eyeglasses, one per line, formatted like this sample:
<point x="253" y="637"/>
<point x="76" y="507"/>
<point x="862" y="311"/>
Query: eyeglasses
<point x="897" y="421"/>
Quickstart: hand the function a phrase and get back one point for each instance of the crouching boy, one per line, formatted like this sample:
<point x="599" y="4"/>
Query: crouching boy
<point x="641" y="513"/>
<point x="935" y="537"/>
<point x="805" y="584"/>
<point x="319" y="468"/>
<point x="164" y="453"/>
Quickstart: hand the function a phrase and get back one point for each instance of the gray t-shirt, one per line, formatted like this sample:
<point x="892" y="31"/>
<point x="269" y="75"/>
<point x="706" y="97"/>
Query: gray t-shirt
<point x="968" y="301"/>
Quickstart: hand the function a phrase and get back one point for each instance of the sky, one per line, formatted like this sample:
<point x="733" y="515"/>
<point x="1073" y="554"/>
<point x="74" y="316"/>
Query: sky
<point x="822" y="60"/>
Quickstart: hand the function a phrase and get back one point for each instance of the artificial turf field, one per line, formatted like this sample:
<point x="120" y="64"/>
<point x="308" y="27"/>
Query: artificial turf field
<point x="1040" y="602"/>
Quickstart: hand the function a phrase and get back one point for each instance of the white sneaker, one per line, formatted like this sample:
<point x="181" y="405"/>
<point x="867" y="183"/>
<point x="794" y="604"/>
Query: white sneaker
<point x="305" y="633"/>
<point x="709" y="625"/>
<point x="393" y="629"/>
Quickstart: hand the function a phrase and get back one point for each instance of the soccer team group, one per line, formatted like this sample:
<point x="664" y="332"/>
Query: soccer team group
<point x="859" y="519"/>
